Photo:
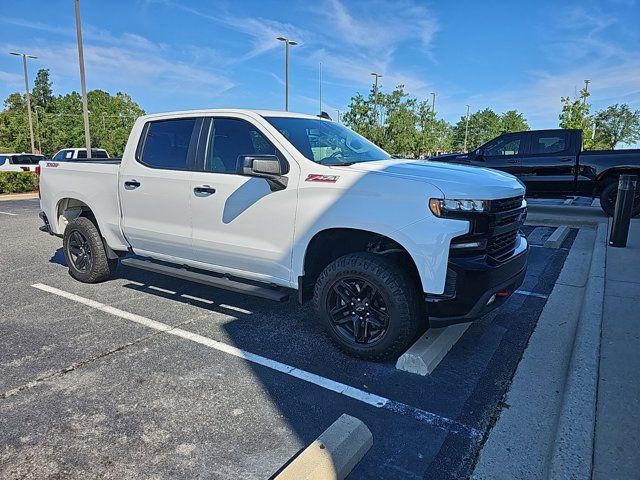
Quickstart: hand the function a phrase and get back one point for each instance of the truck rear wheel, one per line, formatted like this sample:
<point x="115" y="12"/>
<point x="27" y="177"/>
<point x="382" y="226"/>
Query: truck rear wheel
<point x="85" y="253"/>
<point x="368" y="306"/>
<point x="608" y="198"/>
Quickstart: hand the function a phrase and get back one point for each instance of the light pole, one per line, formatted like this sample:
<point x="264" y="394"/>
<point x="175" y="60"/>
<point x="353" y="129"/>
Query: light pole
<point x="375" y="94"/>
<point x="287" y="42"/>
<point x="26" y="87"/>
<point x="433" y="103"/>
<point x="466" y="130"/>
<point x="320" y="86"/>
<point x="35" y="110"/>
<point x="85" y="106"/>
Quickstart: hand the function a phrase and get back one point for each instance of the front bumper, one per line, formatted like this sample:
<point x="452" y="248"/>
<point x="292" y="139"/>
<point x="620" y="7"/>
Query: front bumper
<point x="476" y="285"/>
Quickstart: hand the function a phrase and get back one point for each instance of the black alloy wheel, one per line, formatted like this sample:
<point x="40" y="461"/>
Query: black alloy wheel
<point x="358" y="311"/>
<point x="79" y="251"/>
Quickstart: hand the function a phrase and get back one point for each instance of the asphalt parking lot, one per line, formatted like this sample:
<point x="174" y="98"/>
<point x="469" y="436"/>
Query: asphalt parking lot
<point x="159" y="378"/>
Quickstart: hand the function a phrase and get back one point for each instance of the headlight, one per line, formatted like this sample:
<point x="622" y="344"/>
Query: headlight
<point x="441" y="207"/>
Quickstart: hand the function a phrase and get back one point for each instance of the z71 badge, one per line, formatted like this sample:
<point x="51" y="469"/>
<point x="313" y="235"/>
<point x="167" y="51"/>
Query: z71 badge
<point x="314" y="177"/>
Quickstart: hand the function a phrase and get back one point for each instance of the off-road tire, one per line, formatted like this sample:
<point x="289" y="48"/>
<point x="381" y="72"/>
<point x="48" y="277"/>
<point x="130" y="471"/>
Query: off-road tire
<point x="608" y="197"/>
<point x="396" y="287"/>
<point x="100" y="268"/>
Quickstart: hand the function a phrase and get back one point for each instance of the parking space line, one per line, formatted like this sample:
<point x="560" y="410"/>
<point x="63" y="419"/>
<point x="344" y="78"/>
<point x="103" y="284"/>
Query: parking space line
<point x="7" y="213"/>
<point x="430" y="418"/>
<point x="531" y="294"/>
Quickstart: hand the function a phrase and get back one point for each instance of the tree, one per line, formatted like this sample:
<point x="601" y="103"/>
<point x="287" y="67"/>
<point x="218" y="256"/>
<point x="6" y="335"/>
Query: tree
<point x="483" y="126"/>
<point x="42" y="94"/>
<point x="576" y="113"/>
<point x="59" y="123"/>
<point x="512" y="121"/>
<point x="616" y="124"/>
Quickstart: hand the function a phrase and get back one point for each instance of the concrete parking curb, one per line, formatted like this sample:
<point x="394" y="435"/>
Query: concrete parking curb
<point x="573" y="450"/>
<point x="557" y="237"/>
<point x="333" y="454"/>
<point x="564" y="215"/>
<point x="429" y="350"/>
<point x="546" y="427"/>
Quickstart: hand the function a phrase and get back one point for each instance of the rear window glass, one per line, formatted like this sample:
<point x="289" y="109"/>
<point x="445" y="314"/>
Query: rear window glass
<point x="548" y="143"/>
<point x="26" y="159"/>
<point x="167" y="144"/>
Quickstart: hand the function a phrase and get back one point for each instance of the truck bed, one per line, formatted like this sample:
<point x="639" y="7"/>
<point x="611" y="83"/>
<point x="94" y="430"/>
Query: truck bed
<point x="93" y="183"/>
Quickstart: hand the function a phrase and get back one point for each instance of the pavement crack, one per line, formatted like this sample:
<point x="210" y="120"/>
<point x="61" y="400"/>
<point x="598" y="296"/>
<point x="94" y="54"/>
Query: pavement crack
<point x="76" y="365"/>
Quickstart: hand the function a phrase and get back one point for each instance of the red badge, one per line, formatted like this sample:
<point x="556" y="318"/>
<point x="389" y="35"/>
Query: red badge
<point x="314" y="177"/>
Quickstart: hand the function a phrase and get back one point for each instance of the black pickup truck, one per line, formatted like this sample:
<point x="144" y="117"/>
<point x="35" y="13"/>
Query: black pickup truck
<point x="551" y="163"/>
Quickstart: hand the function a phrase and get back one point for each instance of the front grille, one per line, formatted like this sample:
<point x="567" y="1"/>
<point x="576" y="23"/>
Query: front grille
<point x="501" y="246"/>
<point x="504" y="204"/>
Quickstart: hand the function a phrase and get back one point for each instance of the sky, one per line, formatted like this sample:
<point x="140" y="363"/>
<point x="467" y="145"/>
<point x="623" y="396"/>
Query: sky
<point x="185" y="54"/>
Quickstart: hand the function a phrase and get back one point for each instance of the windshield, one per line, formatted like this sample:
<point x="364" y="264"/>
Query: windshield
<point x="326" y="142"/>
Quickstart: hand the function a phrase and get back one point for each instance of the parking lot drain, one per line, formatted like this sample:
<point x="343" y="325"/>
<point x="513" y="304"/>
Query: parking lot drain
<point x="429" y="350"/>
<point x="333" y="454"/>
<point x="423" y="416"/>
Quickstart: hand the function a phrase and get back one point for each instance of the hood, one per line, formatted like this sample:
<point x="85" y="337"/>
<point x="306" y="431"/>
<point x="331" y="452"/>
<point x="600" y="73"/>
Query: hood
<point x="455" y="181"/>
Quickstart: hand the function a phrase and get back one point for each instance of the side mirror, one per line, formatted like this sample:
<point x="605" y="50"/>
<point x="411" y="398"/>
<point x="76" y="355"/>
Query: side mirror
<point x="268" y="167"/>
<point x="479" y="153"/>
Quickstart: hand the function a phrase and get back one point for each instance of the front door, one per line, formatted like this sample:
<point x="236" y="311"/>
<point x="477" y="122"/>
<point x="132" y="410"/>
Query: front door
<point x="239" y="224"/>
<point x="502" y="153"/>
<point x="155" y="189"/>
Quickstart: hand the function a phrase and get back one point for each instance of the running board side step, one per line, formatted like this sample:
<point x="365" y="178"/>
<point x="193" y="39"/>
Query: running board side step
<point x="270" y="293"/>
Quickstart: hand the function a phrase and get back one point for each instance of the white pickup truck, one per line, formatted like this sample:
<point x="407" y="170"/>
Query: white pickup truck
<point x="267" y="203"/>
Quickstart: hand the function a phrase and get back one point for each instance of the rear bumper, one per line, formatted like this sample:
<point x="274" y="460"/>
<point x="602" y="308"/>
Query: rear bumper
<point x="476" y="285"/>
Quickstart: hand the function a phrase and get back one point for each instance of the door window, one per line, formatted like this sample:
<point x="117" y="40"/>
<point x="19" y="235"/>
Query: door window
<point x="503" y="146"/>
<point x="169" y="144"/>
<point x="231" y="138"/>
<point x="548" y="143"/>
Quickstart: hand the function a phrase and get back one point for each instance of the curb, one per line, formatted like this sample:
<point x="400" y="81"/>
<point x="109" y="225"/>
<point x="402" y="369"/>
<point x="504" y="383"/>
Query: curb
<point x="18" y="196"/>
<point x="429" y="350"/>
<point x="550" y="404"/>
<point x="564" y="215"/>
<point x="333" y="454"/>
<point x="573" y="449"/>
<point x="557" y="237"/>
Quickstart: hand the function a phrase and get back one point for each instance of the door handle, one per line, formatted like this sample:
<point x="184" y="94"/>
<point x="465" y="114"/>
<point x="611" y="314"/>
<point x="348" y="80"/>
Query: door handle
<point x="131" y="184"/>
<point x="566" y="159"/>
<point x="204" y="190"/>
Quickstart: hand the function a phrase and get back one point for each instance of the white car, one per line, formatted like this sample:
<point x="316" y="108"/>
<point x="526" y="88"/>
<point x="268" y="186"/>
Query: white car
<point x="267" y="203"/>
<point x="70" y="154"/>
<point x="19" y="162"/>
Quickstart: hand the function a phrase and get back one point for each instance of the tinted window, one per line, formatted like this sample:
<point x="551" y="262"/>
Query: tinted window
<point x="26" y="159"/>
<point x="327" y="142"/>
<point x="167" y="144"/>
<point x="59" y="155"/>
<point x="3" y="159"/>
<point x="99" y="154"/>
<point x="503" y="146"/>
<point x="231" y="138"/>
<point x="548" y="143"/>
<point x="82" y="154"/>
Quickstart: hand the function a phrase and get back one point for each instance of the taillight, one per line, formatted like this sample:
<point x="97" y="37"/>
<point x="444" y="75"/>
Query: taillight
<point x="38" y="170"/>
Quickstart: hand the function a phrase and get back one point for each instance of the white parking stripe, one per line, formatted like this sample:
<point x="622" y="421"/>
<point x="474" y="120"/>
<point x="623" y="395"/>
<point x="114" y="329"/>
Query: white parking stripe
<point x="328" y="384"/>
<point x="531" y="294"/>
<point x="7" y="213"/>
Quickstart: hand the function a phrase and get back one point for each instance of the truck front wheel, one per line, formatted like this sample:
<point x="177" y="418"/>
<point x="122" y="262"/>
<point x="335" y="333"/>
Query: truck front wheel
<point x="84" y="252"/>
<point x="368" y="305"/>
<point x="609" y="195"/>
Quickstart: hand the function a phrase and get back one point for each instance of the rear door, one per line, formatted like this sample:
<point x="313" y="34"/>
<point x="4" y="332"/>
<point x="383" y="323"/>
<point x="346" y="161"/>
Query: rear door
<point x="502" y="153"/>
<point x="240" y="224"/>
<point x="155" y="189"/>
<point x="548" y="165"/>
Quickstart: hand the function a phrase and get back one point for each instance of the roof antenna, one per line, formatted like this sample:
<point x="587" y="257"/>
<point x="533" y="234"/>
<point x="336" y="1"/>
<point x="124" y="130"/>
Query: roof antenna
<point x="324" y="115"/>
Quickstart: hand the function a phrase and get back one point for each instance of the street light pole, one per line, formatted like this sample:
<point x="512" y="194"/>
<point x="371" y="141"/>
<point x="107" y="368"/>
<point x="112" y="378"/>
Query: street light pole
<point x="26" y="88"/>
<point x="320" y="86"/>
<point x="85" y="106"/>
<point x="466" y="130"/>
<point x="287" y="42"/>
<point x="433" y="103"/>
<point x="375" y="95"/>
